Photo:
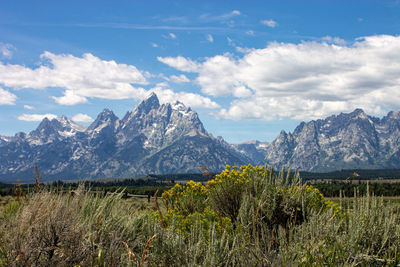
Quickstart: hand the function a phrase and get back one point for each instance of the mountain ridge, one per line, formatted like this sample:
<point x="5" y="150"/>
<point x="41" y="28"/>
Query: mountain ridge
<point x="153" y="138"/>
<point x="344" y="141"/>
<point x="170" y="138"/>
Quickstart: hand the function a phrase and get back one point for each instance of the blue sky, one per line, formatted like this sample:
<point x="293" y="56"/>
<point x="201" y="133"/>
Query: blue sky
<point x="249" y="68"/>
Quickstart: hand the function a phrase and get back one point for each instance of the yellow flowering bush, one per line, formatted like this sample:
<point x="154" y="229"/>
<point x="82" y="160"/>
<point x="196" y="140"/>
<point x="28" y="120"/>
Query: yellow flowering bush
<point x="226" y="190"/>
<point x="186" y="199"/>
<point x="313" y="198"/>
<point x="203" y="221"/>
<point x="187" y="208"/>
<point x="252" y="196"/>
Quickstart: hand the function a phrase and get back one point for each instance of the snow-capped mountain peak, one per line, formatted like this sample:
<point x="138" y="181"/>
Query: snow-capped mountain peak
<point x="154" y="138"/>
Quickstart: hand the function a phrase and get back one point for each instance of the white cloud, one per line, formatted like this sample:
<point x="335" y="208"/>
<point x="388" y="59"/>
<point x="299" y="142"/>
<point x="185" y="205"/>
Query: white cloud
<point x="28" y="107"/>
<point x="154" y="45"/>
<point x="171" y="35"/>
<point x="303" y="81"/>
<point x="162" y="84"/>
<point x="81" y="78"/>
<point x="36" y="117"/>
<point x="334" y="40"/>
<point x="189" y="99"/>
<point x="179" y="79"/>
<point x="244" y="50"/>
<point x="7" y="98"/>
<point x="90" y="77"/>
<point x="80" y="117"/>
<point x="269" y="22"/>
<point x="210" y="38"/>
<point x="180" y="63"/>
<point x="7" y="50"/>
<point x="70" y="98"/>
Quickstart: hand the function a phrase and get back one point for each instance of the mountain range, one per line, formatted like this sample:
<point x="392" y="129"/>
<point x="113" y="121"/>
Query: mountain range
<point x="153" y="138"/>
<point x="345" y="141"/>
<point x="170" y="138"/>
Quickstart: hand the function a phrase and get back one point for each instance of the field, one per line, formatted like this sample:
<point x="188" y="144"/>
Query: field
<point x="247" y="216"/>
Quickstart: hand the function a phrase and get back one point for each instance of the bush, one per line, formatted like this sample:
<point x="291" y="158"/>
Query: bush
<point x="226" y="190"/>
<point x="187" y="206"/>
<point x="187" y="199"/>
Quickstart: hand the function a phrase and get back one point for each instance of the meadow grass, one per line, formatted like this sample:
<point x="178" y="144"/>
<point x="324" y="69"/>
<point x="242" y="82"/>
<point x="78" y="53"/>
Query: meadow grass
<point x="275" y="221"/>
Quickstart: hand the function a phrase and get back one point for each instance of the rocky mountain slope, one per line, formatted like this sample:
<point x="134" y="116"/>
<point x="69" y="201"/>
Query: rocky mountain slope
<point x="345" y="141"/>
<point x="170" y="138"/>
<point x="152" y="138"/>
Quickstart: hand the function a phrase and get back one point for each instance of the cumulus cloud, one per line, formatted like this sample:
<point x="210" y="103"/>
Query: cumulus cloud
<point x="303" y="81"/>
<point x="171" y="35"/>
<point x="36" y="117"/>
<point x="90" y="77"/>
<point x="80" y="117"/>
<point x="210" y="38"/>
<point x="7" y="98"/>
<point x="269" y="22"/>
<point x="81" y="78"/>
<point x="190" y="99"/>
<point x="7" y="50"/>
<point x="28" y="107"/>
<point x="179" y="79"/>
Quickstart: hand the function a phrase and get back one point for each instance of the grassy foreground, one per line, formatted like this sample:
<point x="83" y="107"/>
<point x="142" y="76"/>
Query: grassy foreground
<point x="247" y="216"/>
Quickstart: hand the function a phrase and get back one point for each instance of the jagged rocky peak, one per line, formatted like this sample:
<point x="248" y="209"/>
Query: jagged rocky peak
<point x="359" y="113"/>
<point x="347" y="140"/>
<point x="104" y="119"/>
<point x="71" y="125"/>
<point x="393" y="115"/>
<point x="47" y="125"/>
<point x="282" y="137"/>
<point x="149" y="103"/>
<point x="179" y="106"/>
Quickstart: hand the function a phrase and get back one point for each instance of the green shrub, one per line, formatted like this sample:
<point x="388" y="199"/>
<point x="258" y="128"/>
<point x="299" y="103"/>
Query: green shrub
<point x="187" y="207"/>
<point x="226" y="190"/>
<point x="187" y="199"/>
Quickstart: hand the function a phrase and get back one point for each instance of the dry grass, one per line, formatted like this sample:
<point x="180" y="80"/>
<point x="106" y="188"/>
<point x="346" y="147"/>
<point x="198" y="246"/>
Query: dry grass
<point x="51" y="229"/>
<point x="83" y="229"/>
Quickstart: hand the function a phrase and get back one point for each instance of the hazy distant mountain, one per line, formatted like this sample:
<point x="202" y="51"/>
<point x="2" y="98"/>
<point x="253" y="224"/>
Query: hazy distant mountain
<point x="345" y="141"/>
<point x="153" y="138"/>
<point x="255" y="150"/>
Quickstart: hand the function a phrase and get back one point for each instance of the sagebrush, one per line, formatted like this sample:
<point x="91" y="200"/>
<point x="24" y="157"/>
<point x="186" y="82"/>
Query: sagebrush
<point x="244" y="216"/>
